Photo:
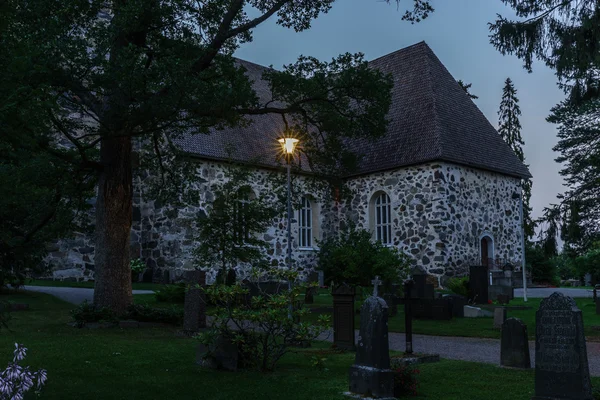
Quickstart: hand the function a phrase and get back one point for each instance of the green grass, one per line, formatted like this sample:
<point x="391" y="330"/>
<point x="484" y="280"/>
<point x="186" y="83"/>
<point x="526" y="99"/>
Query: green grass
<point x="157" y="364"/>
<point x="471" y="327"/>
<point x="89" y="285"/>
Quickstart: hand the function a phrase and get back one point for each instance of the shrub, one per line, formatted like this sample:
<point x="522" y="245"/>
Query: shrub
<point x="86" y="313"/>
<point x="405" y="381"/>
<point x="145" y="313"/>
<point x="459" y="286"/>
<point x="137" y="265"/>
<point x="353" y="258"/>
<point x="15" y="380"/>
<point x="171" y="293"/>
<point x="263" y="328"/>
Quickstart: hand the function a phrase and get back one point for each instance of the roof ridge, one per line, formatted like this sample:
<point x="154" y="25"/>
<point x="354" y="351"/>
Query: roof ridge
<point x="421" y="43"/>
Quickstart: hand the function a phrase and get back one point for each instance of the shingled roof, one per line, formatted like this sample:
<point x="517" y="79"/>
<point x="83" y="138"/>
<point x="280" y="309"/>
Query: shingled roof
<point x="431" y="119"/>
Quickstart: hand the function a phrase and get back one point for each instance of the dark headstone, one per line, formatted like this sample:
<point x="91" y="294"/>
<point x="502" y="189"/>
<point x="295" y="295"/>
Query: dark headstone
<point x="343" y="317"/>
<point x="514" y="346"/>
<point x="309" y="295"/>
<point x="194" y="309"/>
<point x="222" y="354"/>
<point x="499" y="317"/>
<point x="436" y="309"/>
<point x="371" y="374"/>
<point x="561" y="364"/>
<point x="503" y="299"/>
<point x="458" y="305"/>
<point x="147" y="275"/>
<point x="408" y="285"/>
<point x="597" y="307"/>
<point x="478" y="284"/>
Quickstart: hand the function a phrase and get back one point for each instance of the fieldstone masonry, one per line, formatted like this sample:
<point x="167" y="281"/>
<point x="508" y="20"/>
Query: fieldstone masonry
<point x="439" y="212"/>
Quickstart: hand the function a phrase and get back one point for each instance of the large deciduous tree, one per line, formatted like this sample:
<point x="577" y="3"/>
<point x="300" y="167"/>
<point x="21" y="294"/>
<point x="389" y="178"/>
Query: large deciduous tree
<point x="509" y="128"/>
<point x="151" y="70"/>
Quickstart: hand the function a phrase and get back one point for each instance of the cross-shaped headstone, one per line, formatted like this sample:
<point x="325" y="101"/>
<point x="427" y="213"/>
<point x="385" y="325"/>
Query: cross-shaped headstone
<point x="376" y="282"/>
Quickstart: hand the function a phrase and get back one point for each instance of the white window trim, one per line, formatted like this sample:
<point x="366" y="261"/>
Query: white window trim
<point x="378" y="205"/>
<point x="306" y="230"/>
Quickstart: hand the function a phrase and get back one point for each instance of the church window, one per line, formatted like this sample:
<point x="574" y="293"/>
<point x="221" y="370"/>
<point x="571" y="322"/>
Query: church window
<point x="305" y="224"/>
<point x="382" y="218"/>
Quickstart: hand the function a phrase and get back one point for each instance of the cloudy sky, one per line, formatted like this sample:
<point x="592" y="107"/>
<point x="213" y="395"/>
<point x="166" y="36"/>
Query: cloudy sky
<point x="458" y="34"/>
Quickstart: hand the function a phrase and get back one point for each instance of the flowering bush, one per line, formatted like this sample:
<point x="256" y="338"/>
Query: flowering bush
<point x="16" y="380"/>
<point x="405" y="381"/>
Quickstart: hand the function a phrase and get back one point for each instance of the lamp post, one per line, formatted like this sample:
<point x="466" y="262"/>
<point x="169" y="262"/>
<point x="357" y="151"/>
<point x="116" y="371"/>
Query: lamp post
<point x="288" y="145"/>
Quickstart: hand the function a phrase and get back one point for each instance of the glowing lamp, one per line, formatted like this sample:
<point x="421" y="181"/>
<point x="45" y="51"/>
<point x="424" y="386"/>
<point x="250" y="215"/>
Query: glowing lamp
<point x="288" y="145"/>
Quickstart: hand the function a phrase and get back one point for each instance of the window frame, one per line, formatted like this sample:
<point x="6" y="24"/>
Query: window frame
<point x="306" y="236"/>
<point x="382" y="218"/>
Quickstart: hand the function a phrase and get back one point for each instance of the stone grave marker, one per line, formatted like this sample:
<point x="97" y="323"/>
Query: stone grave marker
<point x="343" y="317"/>
<point x="499" y="317"/>
<point x="561" y="364"/>
<point x="514" y="344"/>
<point x="478" y="284"/>
<point x="194" y="309"/>
<point x="371" y="374"/>
<point x="458" y="304"/>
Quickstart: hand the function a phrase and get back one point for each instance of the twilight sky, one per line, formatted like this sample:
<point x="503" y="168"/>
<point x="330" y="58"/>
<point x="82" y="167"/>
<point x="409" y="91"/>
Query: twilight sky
<point x="458" y="34"/>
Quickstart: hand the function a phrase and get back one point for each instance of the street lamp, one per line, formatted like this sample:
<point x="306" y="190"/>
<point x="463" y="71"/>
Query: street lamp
<point x="288" y="145"/>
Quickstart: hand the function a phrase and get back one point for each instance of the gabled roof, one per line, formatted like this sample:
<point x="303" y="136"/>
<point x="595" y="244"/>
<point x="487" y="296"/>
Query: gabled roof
<point x="431" y="119"/>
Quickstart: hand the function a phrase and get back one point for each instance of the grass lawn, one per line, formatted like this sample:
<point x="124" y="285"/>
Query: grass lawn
<point x="470" y="327"/>
<point x="89" y="285"/>
<point x="156" y="364"/>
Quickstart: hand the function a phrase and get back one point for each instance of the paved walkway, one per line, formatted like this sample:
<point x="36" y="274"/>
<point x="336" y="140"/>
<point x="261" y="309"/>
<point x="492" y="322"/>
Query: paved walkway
<point x="473" y="349"/>
<point x="546" y="292"/>
<point x="73" y="295"/>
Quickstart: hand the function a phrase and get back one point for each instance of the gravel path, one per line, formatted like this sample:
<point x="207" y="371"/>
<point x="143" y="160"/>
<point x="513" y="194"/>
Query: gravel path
<point x="73" y="295"/>
<point x="546" y="292"/>
<point x="472" y="349"/>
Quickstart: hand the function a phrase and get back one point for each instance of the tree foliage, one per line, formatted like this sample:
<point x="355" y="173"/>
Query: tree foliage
<point x="467" y="88"/>
<point x="229" y="233"/>
<point x="155" y="70"/>
<point x="509" y="128"/>
<point x="353" y="258"/>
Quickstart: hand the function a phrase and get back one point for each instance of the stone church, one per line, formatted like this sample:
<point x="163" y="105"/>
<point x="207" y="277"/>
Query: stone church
<point x="441" y="185"/>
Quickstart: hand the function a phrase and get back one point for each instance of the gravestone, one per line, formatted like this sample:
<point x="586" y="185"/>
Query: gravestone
<point x="499" y="317"/>
<point x="561" y="364"/>
<point x="408" y="285"/>
<point x="343" y="317"/>
<point x="478" y="284"/>
<point x="371" y="374"/>
<point x="309" y="295"/>
<point x="514" y="345"/>
<point x="194" y="309"/>
<point x="458" y="304"/>
<point x="597" y="307"/>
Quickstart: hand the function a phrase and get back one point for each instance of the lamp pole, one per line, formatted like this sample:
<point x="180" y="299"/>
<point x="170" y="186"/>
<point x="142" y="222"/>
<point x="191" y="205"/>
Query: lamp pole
<point x="289" y="218"/>
<point x="288" y="145"/>
<point x="523" y="247"/>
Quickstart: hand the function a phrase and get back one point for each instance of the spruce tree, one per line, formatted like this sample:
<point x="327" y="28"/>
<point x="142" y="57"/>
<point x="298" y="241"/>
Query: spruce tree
<point x="509" y="128"/>
<point x="466" y="87"/>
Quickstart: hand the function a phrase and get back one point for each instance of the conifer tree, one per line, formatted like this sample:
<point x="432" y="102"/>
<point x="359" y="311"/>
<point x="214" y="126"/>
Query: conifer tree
<point x="509" y="128"/>
<point x="466" y="87"/>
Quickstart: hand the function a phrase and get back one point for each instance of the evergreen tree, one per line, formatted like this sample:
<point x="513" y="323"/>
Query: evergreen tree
<point x="509" y="128"/>
<point x="565" y="35"/>
<point x="153" y="70"/>
<point x="466" y="87"/>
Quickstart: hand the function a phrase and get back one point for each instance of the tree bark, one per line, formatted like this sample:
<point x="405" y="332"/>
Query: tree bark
<point x="113" y="226"/>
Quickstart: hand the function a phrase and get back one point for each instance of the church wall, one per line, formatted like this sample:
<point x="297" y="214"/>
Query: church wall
<point x="417" y="205"/>
<point x="439" y="213"/>
<point x="481" y="203"/>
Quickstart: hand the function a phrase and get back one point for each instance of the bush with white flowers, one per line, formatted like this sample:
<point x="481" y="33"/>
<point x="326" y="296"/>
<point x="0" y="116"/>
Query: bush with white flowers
<point x="16" y="380"/>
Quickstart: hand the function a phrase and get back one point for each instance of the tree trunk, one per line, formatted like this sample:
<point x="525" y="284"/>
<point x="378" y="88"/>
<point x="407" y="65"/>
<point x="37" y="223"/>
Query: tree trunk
<point x="113" y="226"/>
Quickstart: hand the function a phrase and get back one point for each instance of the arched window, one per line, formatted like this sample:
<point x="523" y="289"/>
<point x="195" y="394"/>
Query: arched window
<point x="382" y="218"/>
<point x="305" y="224"/>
